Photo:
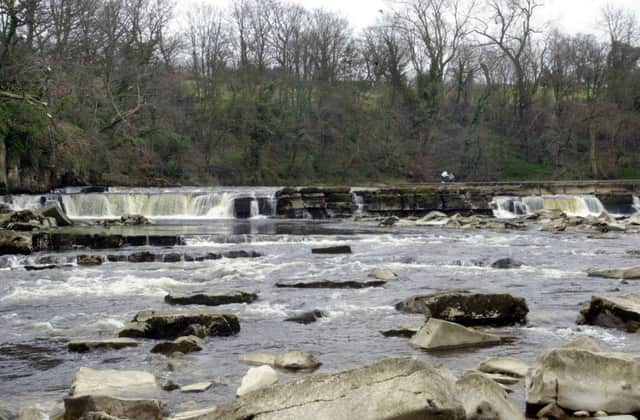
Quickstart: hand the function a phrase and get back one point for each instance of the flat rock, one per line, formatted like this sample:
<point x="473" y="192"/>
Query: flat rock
<point x="187" y="344"/>
<point x="297" y="360"/>
<point x="484" y="399"/>
<point x="437" y="334"/>
<point x="55" y="212"/>
<point x="306" y="317"/>
<point x="402" y="332"/>
<point x="576" y="380"/>
<point x="331" y="284"/>
<point x="629" y="273"/>
<point x="195" y="388"/>
<point x="211" y="299"/>
<point x="257" y="378"/>
<point x="171" y="325"/>
<point x="621" y="312"/>
<point x="89" y="260"/>
<point x="85" y="346"/>
<point x="504" y="365"/>
<point x="383" y="273"/>
<point x="469" y="309"/>
<point x="345" y="249"/>
<point x="392" y="389"/>
<point x="258" y="359"/>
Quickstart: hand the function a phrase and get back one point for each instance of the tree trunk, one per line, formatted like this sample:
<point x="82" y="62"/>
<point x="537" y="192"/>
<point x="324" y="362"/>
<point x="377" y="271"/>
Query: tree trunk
<point x="3" y="167"/>
<point x="592" y="152"/>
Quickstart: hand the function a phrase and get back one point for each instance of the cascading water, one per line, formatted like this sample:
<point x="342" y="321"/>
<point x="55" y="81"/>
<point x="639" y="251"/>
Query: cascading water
<point x="572" y="205"/>
<point x="178" y="203"/>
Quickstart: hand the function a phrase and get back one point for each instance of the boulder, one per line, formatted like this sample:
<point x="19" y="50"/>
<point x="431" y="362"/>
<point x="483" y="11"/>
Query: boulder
<point x="482" y="398"/>
<point x="55" y="212"/>
<point x="331" y="284"/>
<point x="134" y="220"/>
<point x="12" y="243"/>
<point x="141" y="257"/>
<point x="629" y="273"/>
<point x="345" y="249"/>
<point x="437" y="334"/>
<point x="383" y="273"/>
<point x="89" y="260"/>
<point x="85" y="346"/>
<point x="392" y="389"/>
<point x="621" y="312"/>
<point x="118" y="393"/>
<point x="577" y="379"/>
<point x="506" y="264"/>
<point x="257" y="378"/>
<point x="297" y="360"/>
<point x="470" y="309"/>
<point x="171" y="325"/>
<point x="258" y="359"/>
<point x="504" y="365"/>
<point x="401" y="332"/>
<point x="211" y="299"/>
<point x="306" y="317"/>
<point x="196" y="388"/>
<point x="187" y="344"/>
<point x="241" y="254"/>
<point x="171" y="258"/>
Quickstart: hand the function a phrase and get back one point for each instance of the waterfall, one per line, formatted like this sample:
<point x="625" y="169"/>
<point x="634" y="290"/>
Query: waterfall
<point x="636" y="203"/>
<point x="358" y="201"/>
<point x="573" y="205"/>
<point x="176" y="203"/>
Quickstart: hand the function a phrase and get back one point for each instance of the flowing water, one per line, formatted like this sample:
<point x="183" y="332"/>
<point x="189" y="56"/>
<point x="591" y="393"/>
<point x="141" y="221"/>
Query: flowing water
<point x="42" y="310"/>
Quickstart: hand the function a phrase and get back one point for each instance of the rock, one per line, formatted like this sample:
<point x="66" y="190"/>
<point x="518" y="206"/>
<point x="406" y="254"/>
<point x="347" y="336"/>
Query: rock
<point x="211" y="299"/>
<point x="389" y="221"/>
<point x="297" y="360"/>
<point x="629" y="273"/>
<point x="584" y="343"/>
<point x="169" y="386"/>
<point x="402" y="332"/>
<point x="331" y="284"/>
<point x="576" y="379"/>
<point x="171" y="325"/>
<point x="197" y="330"/>
<point x="257" y="378"/>
<point x="484" y="399"/>
<point x="499" y="378"/>
<point x="440" y="335"/>
<point x="187" y="344"/>
<point x="383" y="273"/>
<point x="134" y="220"/>
<point x="241" y="254"/>
<point x="469" y="309"/>
<point x="606" y="236"/>
<point x="332" y="250"/>
<point x="141" y="257"/>
<point x="117" y="393"/>
<point x="171" y="258"/>
<point x="434" y="217"/>
<point x="392" y="389"/>
<point x="551" y="410"/>
<point x="621" y="312"/>
<point x="199" y="387"/>
<point x="89" y="260"/>
<point x="12" y="243"/>
<point x="504" y="365"/>
<point x="85" y="346"/>
<point x="55" y="212"/>
<point x="581" y="414"/>
<point x="506" y="263"/>
<point x="258" y="359"/>
<point x="307" y="317"/>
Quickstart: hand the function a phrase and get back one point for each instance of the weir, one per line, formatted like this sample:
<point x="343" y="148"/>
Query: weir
<point x="506" y="200"/>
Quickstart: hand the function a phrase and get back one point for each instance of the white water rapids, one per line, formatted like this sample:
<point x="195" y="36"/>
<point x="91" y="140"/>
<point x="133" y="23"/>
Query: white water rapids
<point x="573" y="205"/>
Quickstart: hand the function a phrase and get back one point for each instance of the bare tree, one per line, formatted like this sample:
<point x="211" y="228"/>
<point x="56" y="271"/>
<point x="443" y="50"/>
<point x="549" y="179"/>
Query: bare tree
<point x="621" y="25"/>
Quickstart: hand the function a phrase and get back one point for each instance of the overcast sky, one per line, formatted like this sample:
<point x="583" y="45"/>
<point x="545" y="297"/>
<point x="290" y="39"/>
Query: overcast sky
<point x="571" y="16"/>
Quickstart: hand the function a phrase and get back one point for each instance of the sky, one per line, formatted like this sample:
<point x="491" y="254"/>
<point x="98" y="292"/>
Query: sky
<point x="571" y="16"/>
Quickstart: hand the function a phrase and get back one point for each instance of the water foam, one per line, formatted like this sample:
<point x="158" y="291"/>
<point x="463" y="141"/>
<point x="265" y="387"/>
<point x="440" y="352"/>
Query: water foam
<point x="509" y="207"/>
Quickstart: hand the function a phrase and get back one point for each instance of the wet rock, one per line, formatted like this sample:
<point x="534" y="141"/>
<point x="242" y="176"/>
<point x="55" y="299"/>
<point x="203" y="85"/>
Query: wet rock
<point x="551" y="410"/>
<point x="196" y="388"/>
<point x="141" y="257"/>
<point x="85" y="346"/>
<point x="391" y="389"/>
<point x="503" y="380"/>
<point x="621" y="312"/>
<point x="383" y="273"/>
<point x="297" y="360"/>
<point x="257" y="378"/>
<point x="15" y="243"/>
<point x="55" y="212"/>
<point x="169" y="386"/>
<point x="171" y="325"/>
<point x="134" y="220"/>
<point x="211" y="299"/>
<point x="506" y="264"/>
<point x="629" y="273"/>
<point x="345" y="249"/>
<point x="482" y="398"/>
<point x="331" y="284"/>
<point x="583" y="343"/>
<point x="89" y="260"/>
<point x="504" y="365"/>
<point x="402" y="332"/>
<point x="197" y="330"/>
<point x="389" y="221"/>
<point x="469" y="309"/>
<point x="117" y="258"/>
<point x="118" y="393"/>
<point x="187" y="344"/>
<point x="258" y="359"/>
<point x="42" y="267"/>
<point x="241" y="254"/>
<point x="434" y="217"/>
<point x="307" y="317"/>
<point x="576" y="379"/>
<point x="171" y="258"/>
<point x="441" y="335"/>
<point x="605" y="236"/>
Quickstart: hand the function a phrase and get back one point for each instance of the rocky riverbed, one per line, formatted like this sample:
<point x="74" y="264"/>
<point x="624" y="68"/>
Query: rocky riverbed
<point x="481" y="317"/>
